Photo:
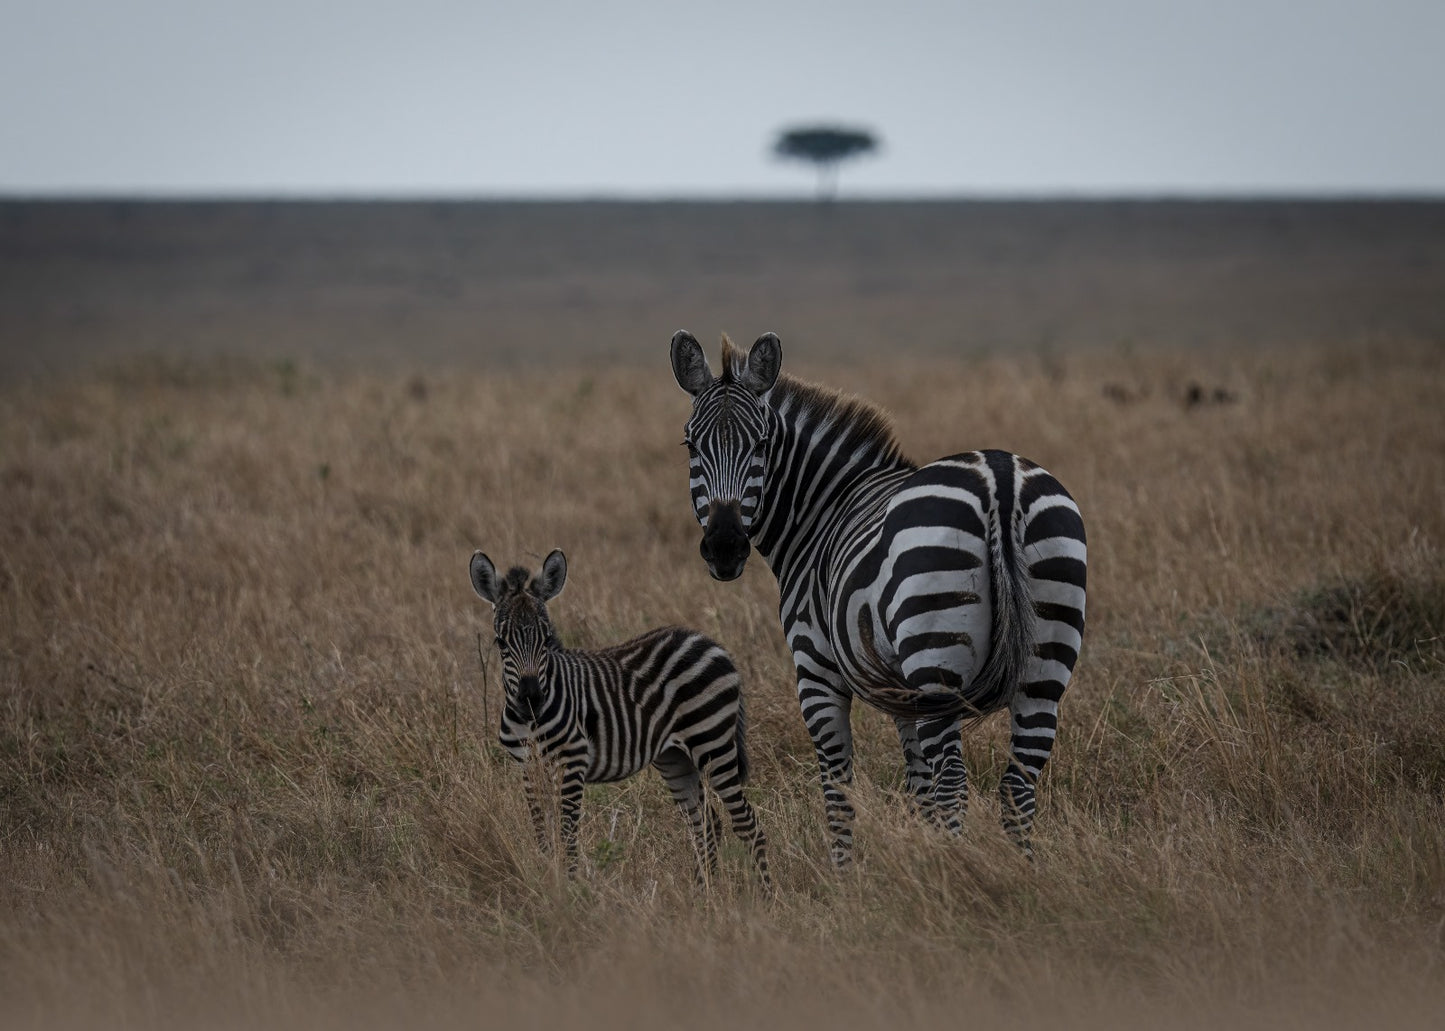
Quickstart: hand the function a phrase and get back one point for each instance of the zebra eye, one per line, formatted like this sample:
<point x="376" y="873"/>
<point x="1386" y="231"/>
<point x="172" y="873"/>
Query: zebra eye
<point x="501" y="644"/>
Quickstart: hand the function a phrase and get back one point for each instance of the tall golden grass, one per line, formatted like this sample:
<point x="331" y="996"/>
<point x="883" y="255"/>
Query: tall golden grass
<point x="248" y="772"/>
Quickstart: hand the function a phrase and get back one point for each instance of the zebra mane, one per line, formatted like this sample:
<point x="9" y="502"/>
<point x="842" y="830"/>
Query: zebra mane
<point x="862" y="422"/>
<point x="733" y="360"/>
<point x="814" y="404"/>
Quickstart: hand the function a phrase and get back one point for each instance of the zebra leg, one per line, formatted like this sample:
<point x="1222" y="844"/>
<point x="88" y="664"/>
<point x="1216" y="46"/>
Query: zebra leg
<point x="714" y="824"/>
<point x="1033" y="718"/>
<point x="724" y="780"/>
<point x="745" y="826"/>
<point x="942" y="745"/>
<point x="1056" y="557"/>
<point x="1057" y="584"/>
<point x="535" y="780"/>
<point x="917" y="777"/>
<point x="573" y="780"/>
<point x="826" y="713"/>
<point x="684" y="781"/>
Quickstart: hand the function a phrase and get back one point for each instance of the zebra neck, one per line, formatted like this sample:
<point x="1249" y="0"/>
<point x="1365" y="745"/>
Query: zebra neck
<point x="580" y="674"/>
<point x="821" y="470"/>
<point x="555" y="725"/>
<point x="569" y="674"/>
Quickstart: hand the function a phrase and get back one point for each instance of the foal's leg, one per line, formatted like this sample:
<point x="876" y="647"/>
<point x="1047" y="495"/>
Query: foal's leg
<point x="685" y="783"/>
<point x="724" y="774"/>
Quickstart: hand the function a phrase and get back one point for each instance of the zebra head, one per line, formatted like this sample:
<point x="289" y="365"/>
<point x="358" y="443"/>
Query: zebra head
<point x="524" y="633"/>
<point x="727" y="442"/>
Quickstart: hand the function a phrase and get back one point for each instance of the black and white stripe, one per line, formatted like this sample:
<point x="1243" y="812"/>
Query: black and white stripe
<point x="670" y="698"/>
<point x="937" y="593"/>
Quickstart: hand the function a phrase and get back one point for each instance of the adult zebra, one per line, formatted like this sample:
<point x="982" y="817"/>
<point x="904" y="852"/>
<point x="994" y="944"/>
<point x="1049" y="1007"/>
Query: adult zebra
<point x="937" y="593"/>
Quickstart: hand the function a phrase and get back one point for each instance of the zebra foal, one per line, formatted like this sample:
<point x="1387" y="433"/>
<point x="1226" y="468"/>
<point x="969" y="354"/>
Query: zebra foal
<point x="670" y="698"/>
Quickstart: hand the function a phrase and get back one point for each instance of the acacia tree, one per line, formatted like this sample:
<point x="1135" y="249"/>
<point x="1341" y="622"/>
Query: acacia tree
<point x="824" y="146"/>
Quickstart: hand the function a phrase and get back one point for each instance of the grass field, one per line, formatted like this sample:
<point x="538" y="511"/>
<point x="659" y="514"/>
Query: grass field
<point x="247" y="775"/>
<point x="248" y="772"/>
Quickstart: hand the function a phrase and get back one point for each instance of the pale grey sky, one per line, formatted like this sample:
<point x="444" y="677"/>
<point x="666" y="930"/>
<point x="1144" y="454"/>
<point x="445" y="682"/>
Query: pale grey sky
<point x="643" y="98"/>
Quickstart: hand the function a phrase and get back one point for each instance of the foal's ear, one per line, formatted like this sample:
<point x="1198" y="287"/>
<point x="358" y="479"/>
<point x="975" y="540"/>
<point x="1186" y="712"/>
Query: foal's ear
<point x="484" y="577"/>
<point x="689" y="364"/>
<point x="765" y="361"/>
<point x="547" y="584"/>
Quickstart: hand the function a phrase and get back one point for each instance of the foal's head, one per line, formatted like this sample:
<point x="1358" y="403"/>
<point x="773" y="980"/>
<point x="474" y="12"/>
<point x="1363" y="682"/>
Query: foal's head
<point x="524" y="631"/>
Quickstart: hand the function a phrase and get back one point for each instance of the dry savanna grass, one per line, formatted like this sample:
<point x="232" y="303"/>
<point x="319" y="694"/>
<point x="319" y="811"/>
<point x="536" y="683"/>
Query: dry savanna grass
<point x="248" y="771"/>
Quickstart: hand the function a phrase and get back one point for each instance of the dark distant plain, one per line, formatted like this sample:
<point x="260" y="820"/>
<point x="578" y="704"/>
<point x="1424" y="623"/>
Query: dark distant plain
<point x="465" y="284"/>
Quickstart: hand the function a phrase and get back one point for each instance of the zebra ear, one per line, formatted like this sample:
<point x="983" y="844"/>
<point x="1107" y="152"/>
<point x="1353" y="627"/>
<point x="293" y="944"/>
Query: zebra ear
<point x="689" y="364"/>
<point x="548" y="583"/>
<point x="484" y="577"/>
<point x="765" y="361"/>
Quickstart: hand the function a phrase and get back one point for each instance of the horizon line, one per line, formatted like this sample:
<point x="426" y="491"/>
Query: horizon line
<point x="662" y="198"/>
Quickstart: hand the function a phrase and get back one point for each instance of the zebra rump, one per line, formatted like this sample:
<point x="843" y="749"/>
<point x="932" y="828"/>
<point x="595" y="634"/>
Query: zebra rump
<point x="1011" y="634"/>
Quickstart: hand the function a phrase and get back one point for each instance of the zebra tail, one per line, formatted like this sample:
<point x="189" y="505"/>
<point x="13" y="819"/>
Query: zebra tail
<point x="1012" y="642"/>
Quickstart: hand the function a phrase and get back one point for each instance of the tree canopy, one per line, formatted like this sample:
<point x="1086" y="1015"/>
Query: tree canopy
<point x="824" y="146"/>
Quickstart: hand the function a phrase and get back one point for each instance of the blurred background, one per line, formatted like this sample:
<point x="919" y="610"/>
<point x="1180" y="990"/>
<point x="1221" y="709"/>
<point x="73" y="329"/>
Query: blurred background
<point x="447" y="181"/>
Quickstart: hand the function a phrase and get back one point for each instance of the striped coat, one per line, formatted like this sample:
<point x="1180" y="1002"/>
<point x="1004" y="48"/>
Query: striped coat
<point x="937" y="593"/>
<point x="670" y="699"/>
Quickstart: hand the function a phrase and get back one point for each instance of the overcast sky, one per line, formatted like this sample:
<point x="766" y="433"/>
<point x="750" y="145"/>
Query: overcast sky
<point x="642" y="98"/>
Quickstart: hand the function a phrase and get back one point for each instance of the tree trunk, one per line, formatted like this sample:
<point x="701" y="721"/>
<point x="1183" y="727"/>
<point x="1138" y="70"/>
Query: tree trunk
<point x="827" y="181"/>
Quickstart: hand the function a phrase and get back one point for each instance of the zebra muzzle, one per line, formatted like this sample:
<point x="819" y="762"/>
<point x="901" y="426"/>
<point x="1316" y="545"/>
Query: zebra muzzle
<point x="529" y="696"/>
<point x="725" y="547"/>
